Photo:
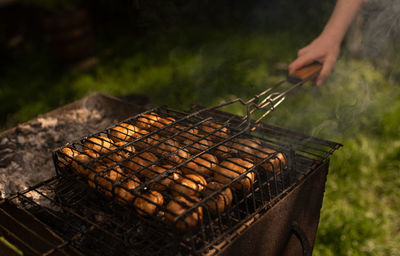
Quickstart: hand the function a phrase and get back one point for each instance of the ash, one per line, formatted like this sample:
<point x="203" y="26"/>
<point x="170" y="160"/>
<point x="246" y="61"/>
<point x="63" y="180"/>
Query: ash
<point x="26" y="150"/>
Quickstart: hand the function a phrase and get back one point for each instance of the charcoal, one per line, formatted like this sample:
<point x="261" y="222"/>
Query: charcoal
<point x="26" y="150"/>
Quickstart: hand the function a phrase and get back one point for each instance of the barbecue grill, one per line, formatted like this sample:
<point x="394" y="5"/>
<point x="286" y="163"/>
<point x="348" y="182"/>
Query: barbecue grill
<point x="103" y="202"/>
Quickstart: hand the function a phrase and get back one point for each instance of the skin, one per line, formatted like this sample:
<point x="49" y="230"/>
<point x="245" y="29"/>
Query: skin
<point x="326" y="47"/>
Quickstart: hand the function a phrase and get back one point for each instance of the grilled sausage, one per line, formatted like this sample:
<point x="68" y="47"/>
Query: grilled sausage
<point x="91" y="153"/>
<point x="252" y="149"/>
<point x="124" y="132"/>
<point x="146" y="142"/>
<point x="104" y="181"/>
<point x="149" y="121"/>
<point x="140" y="163"/>
<point x="222" y="151"/>
<point x="67" y="156"/>
<point x="80" y="164"/>
<point x="123" y="193"/>
<point x="206" y="163"/>
<point x="166" y="182"/>
<point x="121" y="153"/>
<point x="201" y="164"/>
<point x="129" y="149"/>
<point x="151" y="205"/>
<point x="171" y="129"/>
<point x="153" y="171"/>
<point x="245" y="147"/>
<point x="219" y="202"/>
<point x="216" y="132"/>
<point x="232" y="168"/>
<point x="171" y="150"/>
<point x="189" y="185"/>
<point x="275" y="164"/>
<point x="167" y="121"/>
<point x="190" y="167"/>
<point x="191" y="134"/>
<point x="177" y="207"/>
<point x="98" y="144"/>
<point x="197" y="146"/>
<point x="99" y="167"/>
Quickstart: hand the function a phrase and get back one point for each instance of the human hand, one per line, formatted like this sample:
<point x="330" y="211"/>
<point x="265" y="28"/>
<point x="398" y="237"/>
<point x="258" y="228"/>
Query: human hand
<point x="324" y="50"/>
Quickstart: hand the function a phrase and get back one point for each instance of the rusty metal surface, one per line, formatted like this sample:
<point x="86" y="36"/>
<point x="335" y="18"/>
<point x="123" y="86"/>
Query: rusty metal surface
<point x="272" y="234"/>
<point x="30" y="234"/>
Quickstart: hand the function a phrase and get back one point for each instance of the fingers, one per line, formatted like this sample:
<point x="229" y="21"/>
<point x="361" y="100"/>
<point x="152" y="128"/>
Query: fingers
<point x="323" y="50"/>
<point x="301" y="62"/>
<point x="302" y="51"/>
<point x="298" y="63"/>
<point x="326" y="70"/>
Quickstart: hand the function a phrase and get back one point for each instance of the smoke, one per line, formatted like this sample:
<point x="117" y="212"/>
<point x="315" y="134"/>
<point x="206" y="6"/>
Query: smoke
<point x="356" y="93"/>
<point x="379" y="24"/>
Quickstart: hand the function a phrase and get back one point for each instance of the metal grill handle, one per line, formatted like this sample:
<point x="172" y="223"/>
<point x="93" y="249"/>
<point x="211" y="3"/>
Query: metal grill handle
<point x="275" y="97"/>
<point x="301" y="235"/>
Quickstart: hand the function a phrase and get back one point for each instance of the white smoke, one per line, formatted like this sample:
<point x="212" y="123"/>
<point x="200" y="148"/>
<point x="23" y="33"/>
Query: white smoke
<point x="380" y="29"/>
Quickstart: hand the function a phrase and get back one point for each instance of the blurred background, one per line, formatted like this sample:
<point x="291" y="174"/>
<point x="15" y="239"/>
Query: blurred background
<point x="176" y="52"/>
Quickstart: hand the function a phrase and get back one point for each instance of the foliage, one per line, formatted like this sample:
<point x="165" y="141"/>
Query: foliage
<point x="360" y="211"/>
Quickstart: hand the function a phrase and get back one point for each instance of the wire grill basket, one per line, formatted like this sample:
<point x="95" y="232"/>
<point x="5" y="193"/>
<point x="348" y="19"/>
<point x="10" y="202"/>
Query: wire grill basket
<point x="197" y="176"/>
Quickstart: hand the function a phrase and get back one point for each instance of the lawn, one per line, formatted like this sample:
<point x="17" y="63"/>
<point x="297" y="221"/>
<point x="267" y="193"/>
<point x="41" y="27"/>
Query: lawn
<point x="357" y="107"/>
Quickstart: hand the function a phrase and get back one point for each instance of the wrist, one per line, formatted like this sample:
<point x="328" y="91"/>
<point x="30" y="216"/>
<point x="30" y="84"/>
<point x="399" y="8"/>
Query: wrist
<point x="331" y="37"/>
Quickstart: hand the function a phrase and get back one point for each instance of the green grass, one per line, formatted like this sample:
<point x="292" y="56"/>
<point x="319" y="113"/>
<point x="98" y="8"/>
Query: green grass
<point x="172" y="70"/>
<point x="361" y="205"/>
<point x="358" y="107"/>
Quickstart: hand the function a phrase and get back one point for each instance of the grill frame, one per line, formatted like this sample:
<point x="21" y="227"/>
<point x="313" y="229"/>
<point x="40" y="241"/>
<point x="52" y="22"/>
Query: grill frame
<point x="205" y="228"/>
<point x="323" y="157"/>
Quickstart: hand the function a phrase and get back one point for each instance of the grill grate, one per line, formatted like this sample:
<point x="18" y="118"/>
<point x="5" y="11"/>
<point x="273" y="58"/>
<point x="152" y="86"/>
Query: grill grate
<point x="108" y="217"/>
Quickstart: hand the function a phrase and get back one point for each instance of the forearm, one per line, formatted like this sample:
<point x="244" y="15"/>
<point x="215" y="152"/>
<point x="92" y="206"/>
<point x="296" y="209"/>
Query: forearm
<point x="326" y="47"/>
<point x="341" y="18"/>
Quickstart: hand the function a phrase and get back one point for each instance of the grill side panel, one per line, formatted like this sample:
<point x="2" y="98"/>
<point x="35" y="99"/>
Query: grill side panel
<point x="272" y="234"/>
